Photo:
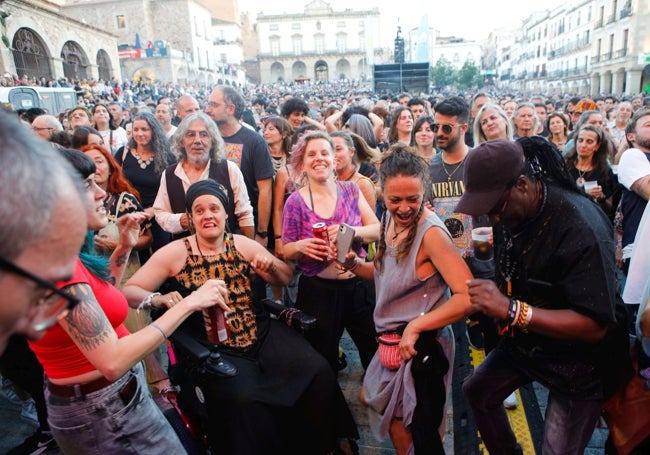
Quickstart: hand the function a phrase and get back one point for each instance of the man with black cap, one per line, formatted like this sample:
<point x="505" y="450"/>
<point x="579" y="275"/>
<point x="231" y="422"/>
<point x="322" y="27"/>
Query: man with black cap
<point x="554" y="295"/>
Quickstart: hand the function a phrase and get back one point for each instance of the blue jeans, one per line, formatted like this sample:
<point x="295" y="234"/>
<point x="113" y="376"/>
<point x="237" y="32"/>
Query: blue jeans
<point x="101" y="423"/>
<point x="568" y="423"/>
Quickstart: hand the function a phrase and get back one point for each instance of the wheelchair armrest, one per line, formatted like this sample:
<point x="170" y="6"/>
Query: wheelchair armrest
<point x="187" y="347"/>
<point x="291" y="316"/>
<point x="189" y="352"/>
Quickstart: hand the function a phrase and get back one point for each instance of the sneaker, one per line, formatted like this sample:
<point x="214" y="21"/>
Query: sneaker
<point x="511" y="401"/>
<point x="474" y="335"/>
<point x="37" y="443"/>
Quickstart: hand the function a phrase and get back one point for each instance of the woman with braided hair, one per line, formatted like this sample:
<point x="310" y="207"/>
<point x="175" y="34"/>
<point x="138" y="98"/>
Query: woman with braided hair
<point x="415" y="269"/>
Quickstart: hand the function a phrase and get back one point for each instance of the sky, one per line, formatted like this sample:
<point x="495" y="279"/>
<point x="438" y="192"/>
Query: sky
<point x="470" y="19"/>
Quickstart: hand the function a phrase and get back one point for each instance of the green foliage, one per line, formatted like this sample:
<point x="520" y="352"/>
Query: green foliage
<point x="443" y="74"/>
<point x="468" y="76"/>
<point x="3" y="23"/>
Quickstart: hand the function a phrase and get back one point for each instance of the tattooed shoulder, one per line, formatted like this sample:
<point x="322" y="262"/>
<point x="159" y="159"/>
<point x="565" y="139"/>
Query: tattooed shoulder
<point x="87" y="323"/>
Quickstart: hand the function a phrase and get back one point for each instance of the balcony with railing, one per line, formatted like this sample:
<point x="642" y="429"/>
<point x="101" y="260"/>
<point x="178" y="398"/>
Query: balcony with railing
<point x="598" y="23"/>
<point x="620" y="53"/>
<point x="626" y="11"/>
<point x="611" y="18"/>
<point x="570" y="47"/>
<point x="560" y="74"/>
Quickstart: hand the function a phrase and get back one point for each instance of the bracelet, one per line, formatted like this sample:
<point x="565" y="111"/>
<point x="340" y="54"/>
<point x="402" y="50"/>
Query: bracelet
<point x="157" y="327"/>
<point x="146" y="302"/>
<point x="523" y="316"/>
<point x="512" y="312"/>
<point x="529" y="316"/>
<point x="353" y="268"/>
<point x="277" y="237"/>
<point x="518" y="311"/>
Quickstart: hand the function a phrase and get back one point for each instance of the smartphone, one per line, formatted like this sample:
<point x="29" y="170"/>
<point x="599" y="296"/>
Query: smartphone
<point x="344" y="240"/>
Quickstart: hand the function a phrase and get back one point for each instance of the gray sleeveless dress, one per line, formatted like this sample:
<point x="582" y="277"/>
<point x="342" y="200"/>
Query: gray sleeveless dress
<point x="401" y="297"/>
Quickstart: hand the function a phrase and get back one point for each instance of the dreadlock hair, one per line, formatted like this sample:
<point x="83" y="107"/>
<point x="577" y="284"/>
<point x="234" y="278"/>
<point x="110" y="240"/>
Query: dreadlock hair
<point x="400" y="160"/>
<point x="543" y="162"/>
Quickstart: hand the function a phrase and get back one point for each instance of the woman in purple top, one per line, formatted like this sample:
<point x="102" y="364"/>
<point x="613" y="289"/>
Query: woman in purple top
<point x="337" y="298"/>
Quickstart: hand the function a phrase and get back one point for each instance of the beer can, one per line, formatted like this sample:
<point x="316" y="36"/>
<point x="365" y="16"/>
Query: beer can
<point x="320" y="232"/>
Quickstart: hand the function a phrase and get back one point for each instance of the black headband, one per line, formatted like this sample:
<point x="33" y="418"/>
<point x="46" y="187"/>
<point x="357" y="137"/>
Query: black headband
<point x="203" y="187"/>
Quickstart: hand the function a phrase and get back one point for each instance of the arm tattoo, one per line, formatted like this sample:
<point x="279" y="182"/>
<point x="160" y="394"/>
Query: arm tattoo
<point x="88" y="325"/>
<point x="121" y="259"/>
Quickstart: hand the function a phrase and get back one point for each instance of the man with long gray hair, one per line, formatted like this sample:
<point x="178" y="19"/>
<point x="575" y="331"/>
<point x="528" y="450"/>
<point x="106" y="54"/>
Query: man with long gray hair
<point x="200" y="149"/>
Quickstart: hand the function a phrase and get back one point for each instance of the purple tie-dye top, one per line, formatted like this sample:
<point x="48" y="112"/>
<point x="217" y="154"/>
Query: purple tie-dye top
<point x="298" y="220"/>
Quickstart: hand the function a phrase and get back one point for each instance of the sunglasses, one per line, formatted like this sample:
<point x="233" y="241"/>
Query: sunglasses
<point x="500" y="207"/>
<point x="447" y="128"/>
<point x="52" y="306"/>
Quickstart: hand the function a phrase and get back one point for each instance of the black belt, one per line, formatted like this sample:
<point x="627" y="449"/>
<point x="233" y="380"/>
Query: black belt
<point x="126" y="392"/>
<point x="75" y="390"/>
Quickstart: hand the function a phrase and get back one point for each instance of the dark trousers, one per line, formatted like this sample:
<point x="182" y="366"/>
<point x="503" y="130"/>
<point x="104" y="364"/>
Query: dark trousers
<point x="428" y="368"/>
<point x="568" y="423"/>
<point x="338" y="305"/>
<point x="19" y="364"/>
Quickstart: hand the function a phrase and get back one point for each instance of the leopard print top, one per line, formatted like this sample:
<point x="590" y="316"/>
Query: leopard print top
<point x="232" y="268"/>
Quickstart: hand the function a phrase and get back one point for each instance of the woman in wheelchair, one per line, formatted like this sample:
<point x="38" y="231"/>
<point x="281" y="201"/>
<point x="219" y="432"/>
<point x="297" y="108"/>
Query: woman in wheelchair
<point x="285" y="398"/>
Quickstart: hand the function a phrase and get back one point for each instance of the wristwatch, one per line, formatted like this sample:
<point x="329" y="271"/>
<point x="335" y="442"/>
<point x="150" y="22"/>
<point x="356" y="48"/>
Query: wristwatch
<point x="262" y="234"/>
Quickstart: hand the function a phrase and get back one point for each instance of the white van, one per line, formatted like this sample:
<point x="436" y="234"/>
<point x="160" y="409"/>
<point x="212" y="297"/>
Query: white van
<point x="52" y="99"/>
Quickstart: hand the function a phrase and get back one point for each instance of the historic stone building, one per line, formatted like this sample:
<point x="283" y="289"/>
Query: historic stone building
<point x="46" y="43"/>
<point x="166" y="40"/>
<point x="584" y="47"/>
<point x="319" y="44"/>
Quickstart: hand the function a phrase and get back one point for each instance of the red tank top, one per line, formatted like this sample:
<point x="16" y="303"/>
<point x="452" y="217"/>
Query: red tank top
<point x="56" y="351"/>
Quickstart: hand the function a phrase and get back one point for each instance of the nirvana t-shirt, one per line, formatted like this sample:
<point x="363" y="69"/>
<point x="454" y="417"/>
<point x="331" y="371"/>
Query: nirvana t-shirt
<point x="447" y="187"/>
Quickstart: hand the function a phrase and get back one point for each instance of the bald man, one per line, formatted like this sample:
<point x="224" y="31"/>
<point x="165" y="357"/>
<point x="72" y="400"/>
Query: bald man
<point x="46" y="125"/>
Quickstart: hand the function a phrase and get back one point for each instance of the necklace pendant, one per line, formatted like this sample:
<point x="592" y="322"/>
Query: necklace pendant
<point x="449" y="179"/>
<point x="143" y="165"/>
<point x="580" y="181"/>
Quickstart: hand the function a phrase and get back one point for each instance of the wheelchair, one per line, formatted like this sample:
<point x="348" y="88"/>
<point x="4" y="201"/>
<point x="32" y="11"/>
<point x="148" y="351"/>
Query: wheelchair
<point x="190" y="362"/>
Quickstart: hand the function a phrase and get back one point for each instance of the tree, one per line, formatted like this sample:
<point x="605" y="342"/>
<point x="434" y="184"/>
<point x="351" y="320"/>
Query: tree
<point x="468" y="76"/>
<point x="3" y="23"/>
<point x="442" y="74"/>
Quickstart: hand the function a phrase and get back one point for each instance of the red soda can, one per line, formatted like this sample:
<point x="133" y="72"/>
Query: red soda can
<point x="320" y="232"/>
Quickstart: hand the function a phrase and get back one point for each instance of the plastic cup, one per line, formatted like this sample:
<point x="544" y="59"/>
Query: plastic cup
<point x="481" y="240"/>
<point x="589" y="185"/>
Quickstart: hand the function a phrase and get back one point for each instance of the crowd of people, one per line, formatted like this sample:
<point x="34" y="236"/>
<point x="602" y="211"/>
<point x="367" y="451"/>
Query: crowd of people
<point x="188" y="202"/>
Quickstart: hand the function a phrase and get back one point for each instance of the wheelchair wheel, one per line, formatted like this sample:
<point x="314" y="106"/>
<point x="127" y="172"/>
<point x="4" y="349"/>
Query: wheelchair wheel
<point x="191" y="445"/>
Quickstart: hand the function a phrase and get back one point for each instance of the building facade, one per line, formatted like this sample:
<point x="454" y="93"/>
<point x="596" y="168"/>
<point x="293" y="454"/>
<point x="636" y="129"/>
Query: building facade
<point x="166" y="40"/>
<point x="319" y="44"/>
<point x="46" y="43"/>
<point x="585" y="47"/>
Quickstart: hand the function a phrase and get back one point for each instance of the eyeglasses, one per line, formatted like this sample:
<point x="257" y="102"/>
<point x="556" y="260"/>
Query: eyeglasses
<point x="500" y="207"/>
<point x="37" y="128"/>
<point x="447" y="128"/>
<point x="54" y="305"/>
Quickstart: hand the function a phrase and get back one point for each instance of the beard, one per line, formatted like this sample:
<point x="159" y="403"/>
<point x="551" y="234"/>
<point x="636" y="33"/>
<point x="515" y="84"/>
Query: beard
<point x="451" y="143"/>
<point x="643" y="142"/>
<point x="199" y="159"/>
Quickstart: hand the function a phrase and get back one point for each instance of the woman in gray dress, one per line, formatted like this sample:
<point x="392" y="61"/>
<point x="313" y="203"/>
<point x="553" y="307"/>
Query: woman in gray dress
<point x="415" y="270"/>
